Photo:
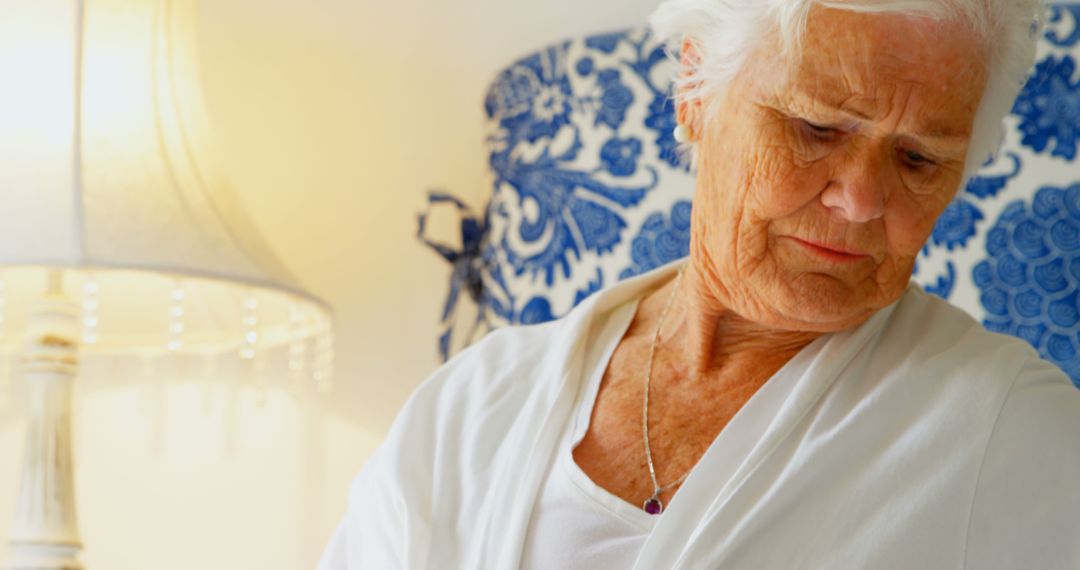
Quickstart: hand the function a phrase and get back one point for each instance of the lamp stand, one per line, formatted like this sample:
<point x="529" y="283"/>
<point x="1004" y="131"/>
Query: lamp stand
<point x="45" y="533"/>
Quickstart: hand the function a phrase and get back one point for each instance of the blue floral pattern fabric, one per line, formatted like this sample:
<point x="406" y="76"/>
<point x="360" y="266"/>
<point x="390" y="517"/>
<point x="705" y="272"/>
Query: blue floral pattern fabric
<point x="1029" y="283"/>
<point x="580" y="138"/>
<point x="589" y="189"/>
<point x="1004" y="250"/>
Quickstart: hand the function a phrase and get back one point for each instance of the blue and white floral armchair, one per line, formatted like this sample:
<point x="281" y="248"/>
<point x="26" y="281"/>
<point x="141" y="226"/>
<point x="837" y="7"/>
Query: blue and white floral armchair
<point x="588" y="190"/>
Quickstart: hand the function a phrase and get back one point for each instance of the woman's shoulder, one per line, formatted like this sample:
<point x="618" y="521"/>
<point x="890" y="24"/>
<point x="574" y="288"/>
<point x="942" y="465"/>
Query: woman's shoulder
<point x="499" y="369"/>
<point x="932" y="330"/>
<point x="529" y="357"/>
<point x="932" y="350"/>
<point x="504" y="350"/>
<point x="1033" y="406"/>
<point x="1026" y="507"/>
<point x="998" y="407"/>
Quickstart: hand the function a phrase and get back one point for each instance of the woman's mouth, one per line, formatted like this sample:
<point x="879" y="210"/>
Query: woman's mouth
<point x="834" y="254"/>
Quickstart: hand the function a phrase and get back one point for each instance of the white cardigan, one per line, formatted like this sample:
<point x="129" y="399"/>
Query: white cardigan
<point x="917" y="440"/>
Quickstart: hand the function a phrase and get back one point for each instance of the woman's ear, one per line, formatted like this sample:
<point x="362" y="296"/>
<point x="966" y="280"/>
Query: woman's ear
<point x="688" y="113"/>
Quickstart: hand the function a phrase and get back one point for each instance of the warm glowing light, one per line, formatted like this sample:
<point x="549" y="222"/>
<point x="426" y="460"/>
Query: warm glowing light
<point x="3" y="305"/>
<point x="37" y="62"/>
<point x="298" y="346"/>
<point x="297" y="351"/>
<point x="324" y="357"/>
<point x="90" y="310"/>
<point x="251" y="322"/>
<point x="176" y="317"/>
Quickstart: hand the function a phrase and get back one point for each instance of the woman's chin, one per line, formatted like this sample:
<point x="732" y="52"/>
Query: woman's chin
<point x="822" y="303"/>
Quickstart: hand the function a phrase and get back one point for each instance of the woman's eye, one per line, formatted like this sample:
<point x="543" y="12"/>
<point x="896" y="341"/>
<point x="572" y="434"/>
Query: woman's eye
<point x="819" y="131"/>
<point x="914" y="159"/>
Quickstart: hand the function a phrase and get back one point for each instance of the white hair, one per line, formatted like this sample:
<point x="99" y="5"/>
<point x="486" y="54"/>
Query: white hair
<point x="725" y="32"/>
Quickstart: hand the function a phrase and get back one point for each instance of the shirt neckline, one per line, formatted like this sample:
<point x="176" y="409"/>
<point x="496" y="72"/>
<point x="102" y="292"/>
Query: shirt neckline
<point x="769" y="396"/>
<point x="614" y="329"/>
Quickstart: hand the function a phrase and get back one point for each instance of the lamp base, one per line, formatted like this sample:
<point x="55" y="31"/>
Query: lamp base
<point x="41" y="556"/>
<point x="44" y="534"/>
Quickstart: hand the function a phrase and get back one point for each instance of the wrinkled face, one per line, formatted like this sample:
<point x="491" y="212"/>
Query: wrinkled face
<point x="822" y="173"/>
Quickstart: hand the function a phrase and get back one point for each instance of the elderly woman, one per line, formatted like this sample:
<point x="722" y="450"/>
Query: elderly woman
<point x="783" y="398"/>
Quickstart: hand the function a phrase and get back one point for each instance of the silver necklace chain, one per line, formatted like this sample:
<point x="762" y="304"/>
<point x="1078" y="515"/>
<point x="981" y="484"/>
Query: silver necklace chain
<point x="653" y="505"/>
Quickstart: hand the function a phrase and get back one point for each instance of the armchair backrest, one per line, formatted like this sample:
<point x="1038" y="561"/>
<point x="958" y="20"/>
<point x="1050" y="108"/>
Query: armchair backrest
<point x="588" y="190"/>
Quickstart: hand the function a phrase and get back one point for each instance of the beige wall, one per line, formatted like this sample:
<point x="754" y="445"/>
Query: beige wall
<point x="334" y="118"/>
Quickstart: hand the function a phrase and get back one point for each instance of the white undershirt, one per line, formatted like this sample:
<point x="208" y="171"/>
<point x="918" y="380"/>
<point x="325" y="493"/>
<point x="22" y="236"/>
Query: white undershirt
<point x="575" y="523"/>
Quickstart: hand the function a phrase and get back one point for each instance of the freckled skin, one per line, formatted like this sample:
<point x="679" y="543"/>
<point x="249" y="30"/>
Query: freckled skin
<point x="855" y="191"/>
<point x="856" y="141"/>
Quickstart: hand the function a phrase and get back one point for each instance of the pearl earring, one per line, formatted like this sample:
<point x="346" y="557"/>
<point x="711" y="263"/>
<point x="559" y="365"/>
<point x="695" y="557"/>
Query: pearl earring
<point x="682" y="134"/>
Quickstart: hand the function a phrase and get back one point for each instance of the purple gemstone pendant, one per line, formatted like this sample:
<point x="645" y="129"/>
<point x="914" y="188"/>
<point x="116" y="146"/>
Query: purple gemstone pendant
<point x="653" y="506"/>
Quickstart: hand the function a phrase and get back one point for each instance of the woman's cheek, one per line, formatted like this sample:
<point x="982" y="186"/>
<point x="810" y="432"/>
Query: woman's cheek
<point x="787" y="185"/>
<point x="910" y="221"/>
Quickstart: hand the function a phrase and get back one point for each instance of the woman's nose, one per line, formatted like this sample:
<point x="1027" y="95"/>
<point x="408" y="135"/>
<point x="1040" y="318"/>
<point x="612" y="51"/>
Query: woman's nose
<point x="857" y="190"/>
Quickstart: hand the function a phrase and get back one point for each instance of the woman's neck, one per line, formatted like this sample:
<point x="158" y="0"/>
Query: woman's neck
<point x="710" y="340"/>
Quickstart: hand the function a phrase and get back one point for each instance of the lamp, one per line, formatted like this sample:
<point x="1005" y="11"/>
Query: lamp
<point x="117" y="232"/>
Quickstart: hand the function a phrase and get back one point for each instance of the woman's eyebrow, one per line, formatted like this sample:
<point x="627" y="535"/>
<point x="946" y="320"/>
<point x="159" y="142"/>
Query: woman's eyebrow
<point x="934" y="133"/>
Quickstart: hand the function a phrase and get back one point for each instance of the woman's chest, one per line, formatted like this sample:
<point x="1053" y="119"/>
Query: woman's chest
<point x="681" y="427"/>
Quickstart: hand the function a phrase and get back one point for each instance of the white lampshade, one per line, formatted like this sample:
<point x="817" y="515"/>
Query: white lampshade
<point x="118" y="233"/>
<point x="108" y="170"/>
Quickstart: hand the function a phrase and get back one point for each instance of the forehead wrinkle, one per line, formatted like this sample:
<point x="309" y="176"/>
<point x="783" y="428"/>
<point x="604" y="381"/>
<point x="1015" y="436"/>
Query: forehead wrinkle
<point x="839" y="71"/>
<point x="933" y="131"/>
